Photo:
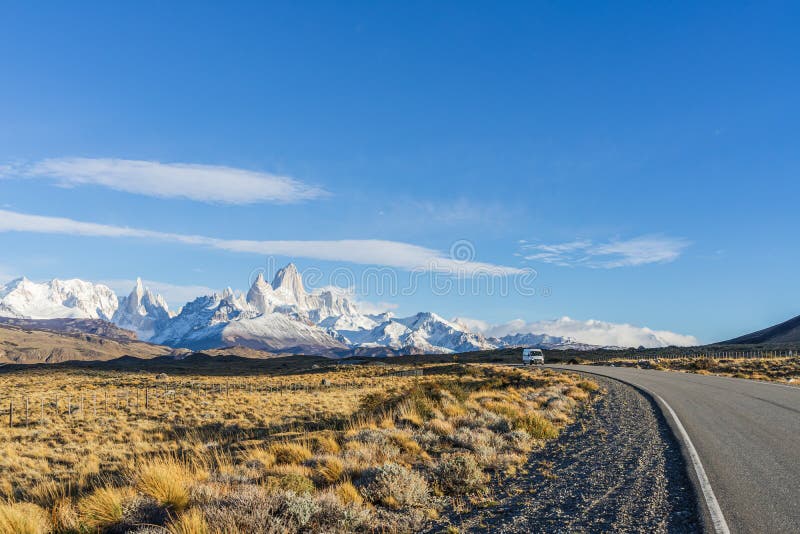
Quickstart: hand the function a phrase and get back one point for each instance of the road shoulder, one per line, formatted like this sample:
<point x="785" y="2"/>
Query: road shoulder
<point x="617" y="468"/>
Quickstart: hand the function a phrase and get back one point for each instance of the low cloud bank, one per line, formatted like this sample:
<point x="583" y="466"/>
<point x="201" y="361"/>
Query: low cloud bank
<point x="592" y="332"/>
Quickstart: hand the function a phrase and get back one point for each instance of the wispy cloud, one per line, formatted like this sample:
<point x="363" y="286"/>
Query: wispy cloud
<point x="592" y="332"/>
<point x="360" y="251"/>
<point x="454" y="212"/>
<point x="608" y="255"/>
<point x="175" y="295"/>
<point x="205" y="183"/>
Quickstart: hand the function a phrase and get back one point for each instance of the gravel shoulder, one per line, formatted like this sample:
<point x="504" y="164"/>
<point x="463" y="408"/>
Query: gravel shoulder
<point x="617" y="468"/>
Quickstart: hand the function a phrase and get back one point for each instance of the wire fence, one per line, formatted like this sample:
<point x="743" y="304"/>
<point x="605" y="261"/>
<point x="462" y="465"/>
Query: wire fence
<point x="151" y="401"/>
<point x="716" y="354"/>
<point x="157" y="400"/>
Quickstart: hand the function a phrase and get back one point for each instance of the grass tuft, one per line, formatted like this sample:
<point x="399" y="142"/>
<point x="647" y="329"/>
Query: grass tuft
<point x="102" y="508"/>
<point x="165" y="480"/>
<point x="23" y="518"/>
<point x="189" y="522"/>
<point x="290" y="453"/>
<point x="538" y="426"/>
<point x="348" y="493"/>
<point x="329" y="469"/>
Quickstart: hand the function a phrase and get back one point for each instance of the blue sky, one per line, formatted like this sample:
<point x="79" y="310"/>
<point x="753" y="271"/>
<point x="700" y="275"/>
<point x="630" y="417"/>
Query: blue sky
<point x="642" y="159"/>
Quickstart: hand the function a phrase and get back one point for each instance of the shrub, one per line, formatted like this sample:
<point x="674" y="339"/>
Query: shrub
<point x="334" y="516"/>
<point x="249" y="509"/>
<point x="166" y="481"/>
<point x="396" y="486"/>
<point x="459" y="474"/>
<point x="297" y="507"/>
<point x="141" y="509"/>
<point x="290" y="453"/>
<point x="23" y="518"/>
<point x="360" y="456"/>
<point x="519" y="440"/>
<point x="588" y="385"/>
<point x="102" y="508"/>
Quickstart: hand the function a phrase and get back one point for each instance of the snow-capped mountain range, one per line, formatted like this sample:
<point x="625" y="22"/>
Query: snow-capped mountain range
<point x="281" y="316"/>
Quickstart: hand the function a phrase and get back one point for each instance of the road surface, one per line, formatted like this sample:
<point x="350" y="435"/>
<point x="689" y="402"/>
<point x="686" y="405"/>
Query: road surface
<point x="747" y="438"/>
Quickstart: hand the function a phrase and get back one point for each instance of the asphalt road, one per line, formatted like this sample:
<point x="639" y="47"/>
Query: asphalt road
<point x="747" y="436"/>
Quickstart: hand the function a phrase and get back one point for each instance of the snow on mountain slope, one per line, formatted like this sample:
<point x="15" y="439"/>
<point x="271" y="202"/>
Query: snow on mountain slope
<point x="142" y="311"/>
<point x="287" y="294"/>
<point x="74" y="299"/>
<point x="228" y="319"/>
<point x="278" y="332"/>
<point x="200" y="322"/>
<point x="423" y="332"/>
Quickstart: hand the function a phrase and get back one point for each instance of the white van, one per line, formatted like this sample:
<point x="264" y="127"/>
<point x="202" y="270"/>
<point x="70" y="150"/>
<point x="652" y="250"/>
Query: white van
<point x="532" y="356"/>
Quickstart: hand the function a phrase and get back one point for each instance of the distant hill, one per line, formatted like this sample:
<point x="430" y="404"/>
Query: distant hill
<point x="786" y="332"/>
<point x="97" y="327"/>
<point x="22" y="344"/>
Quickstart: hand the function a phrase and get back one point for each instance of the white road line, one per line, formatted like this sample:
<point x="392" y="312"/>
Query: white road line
<point x="717" y="518"/>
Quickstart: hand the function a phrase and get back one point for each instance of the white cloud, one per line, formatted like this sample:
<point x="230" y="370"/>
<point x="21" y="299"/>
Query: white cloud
<point x="175" y="295"/>
<point x="375" y="308"/>
<point x="592" y="332"/>
<point x="206" y="183"/>
<point x="609" y="255"/>
<point x="360" y="251"/>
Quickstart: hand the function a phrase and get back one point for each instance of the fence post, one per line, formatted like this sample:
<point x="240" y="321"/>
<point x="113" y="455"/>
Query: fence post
<point x="10" y="413"/>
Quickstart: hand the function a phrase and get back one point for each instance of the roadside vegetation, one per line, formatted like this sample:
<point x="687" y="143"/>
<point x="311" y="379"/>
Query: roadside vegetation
<point x="782" y="370"/>
<point x="356" y="448"/>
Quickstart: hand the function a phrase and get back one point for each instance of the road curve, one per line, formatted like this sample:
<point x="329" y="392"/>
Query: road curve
<point x="747" y="437"/>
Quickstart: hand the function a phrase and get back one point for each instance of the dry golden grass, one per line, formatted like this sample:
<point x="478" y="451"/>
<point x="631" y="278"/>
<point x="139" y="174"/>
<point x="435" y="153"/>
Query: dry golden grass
<point x="308" y="457"/>
<point x="190" y="522"/>
<point x="348" y="494"/>
<point x="329" y="469"/>
<point x="166" y="480"/>
<point x="290" y="453"/>
<point x="23" y="518"/>
<point x="102" y="507"/>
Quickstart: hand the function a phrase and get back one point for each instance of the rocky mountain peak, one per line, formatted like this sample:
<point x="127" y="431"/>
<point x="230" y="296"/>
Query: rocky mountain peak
<point x="289" y="281"/>
<point x="261" y="296"/>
